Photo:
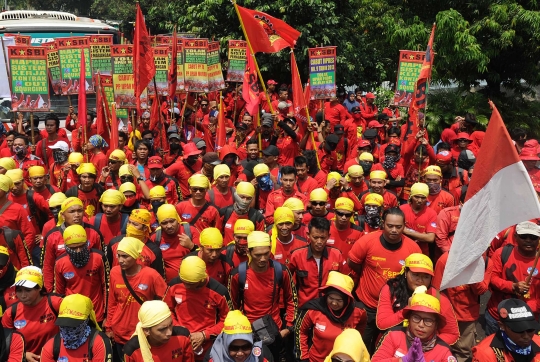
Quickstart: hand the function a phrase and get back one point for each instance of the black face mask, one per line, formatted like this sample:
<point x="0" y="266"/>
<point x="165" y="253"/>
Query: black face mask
<point x="55" y="211"/>
<point x="60" y="157"/>
<point x="366" y="166"/>
<point x="156" y="204"/>
<point x="174" y="146"/>
<point x="78" y="258"/>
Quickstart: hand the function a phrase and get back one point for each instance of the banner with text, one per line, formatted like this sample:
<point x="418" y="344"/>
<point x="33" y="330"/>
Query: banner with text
<point x="53" y="66"/>
<point x="29" y="78"/>
<point x="19" y="39"/>
<point x="410" y="63"/>
<point x="69" y="54"/>
<point x="161" y="59"/>
<point x="322" y="72"/>
<point x="100" y="52"/>
<point x="179" y="65"/>
<point x="215" y="75"/>
<point x="108" y="90"/>
<point x="196" y="68"/>
<point x="123" y="81"/>
<point x="237" y="61"/>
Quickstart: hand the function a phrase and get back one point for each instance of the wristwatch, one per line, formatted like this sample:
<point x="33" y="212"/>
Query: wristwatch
<point x="140" y="178"/>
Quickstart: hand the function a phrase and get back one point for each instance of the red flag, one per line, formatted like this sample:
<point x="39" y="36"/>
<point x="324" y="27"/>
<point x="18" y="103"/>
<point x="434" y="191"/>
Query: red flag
<point x="419" y="96"/>
<point x="266" y="33"/>
<point x="101" y="123"/>
<point x="156" y="124"/>
<point x="221" y="131"/>
<point x="299" y="102"/>
<point x="173" y="69"/>
<point x="144" y="67"/>
<point x="82" y="111"/>
<point x="500" y="194"/>
<point x="250" y="88"/>
<point x="114" y="128"/>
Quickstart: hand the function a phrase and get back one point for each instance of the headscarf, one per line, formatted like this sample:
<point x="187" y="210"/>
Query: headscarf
<point x="118" y="155"/>
<point x="16" y="175"/>
<point x="221" y="170"/>
<point x="112" y="197"/>
<point x="131" y="246"/>
<point x="245" y="188"/>
<point x="151" y="313"/>
<point x="124" y="171"/>
<point x="419" y="189"/>
<point x="236" y="326"/>
<point x="211" y="238"/>
<point x="76" y="308"/>
<point x="167" y="212"/>
<point x="199" y="180"/>
<point x="318" y="195"/>
<point x="98" y="141"/>
<point x="76" y="234"/>
<point x="157" y="192"/>
<point x="69" y="202"/>
<point x="193" y="269"/>
<point x="281" y="215"/>
<point x="258" y="238"/>
<point x="7" y="163"/>
<point x="86" y="168"/>
<point x="294" y="204"/>
<point x="243" y="226"/>
<point x="350" y="343"/>
<point x="128" y="186"/>
<point x="75" y="157"/>
<point x="36" y="171"/>
<point x="448" y="136"/>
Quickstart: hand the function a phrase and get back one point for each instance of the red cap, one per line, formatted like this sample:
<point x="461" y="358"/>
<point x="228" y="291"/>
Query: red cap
<point x="190" y="149"/>
<point x="394" y="141"/>
<point x="375" y="124"/>
<point x="271" y="81"/>
<point x="363" y="143"/>
<point x="226" y="150"/>
<point x="444" y="157"/>
<point x="155" y="162"/>
<point x="529" y="154"/>
<point x="370" y="96"/>
<point x="463" y="135"/>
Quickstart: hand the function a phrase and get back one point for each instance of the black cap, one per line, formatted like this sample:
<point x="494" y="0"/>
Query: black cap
<point x="241" y="126"/>
<point x="339" y="129"/>
<point x="382" y="117"/>
<point x="291" y="120"/>
<point x="248" y="168"/>
<point x="517" y="315"/>
<point x="271" y="151"/>
<point x="355" y="110"/>
<point x="370" y="133"/>
<point x="330" y="142"/>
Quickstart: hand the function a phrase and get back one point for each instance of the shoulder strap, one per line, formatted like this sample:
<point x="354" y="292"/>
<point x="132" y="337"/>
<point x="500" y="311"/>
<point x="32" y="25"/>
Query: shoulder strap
<point x="278" y="278"/>
<point x="187" y="230"/>
<point x="123" y="223"/>
<point x="8" y="334"/>
<point x="345" y="147"/>
<point x="50" y="188"/>
<point x="56" y="346"/>
<point x="6" y="205"/>
<point x="72" y="191"/>
<point x="229" y="253"/>
<point x="212" y="196"/>
<point x="49" y="301"/>
<point x="255" y="216"/>
<point x="199" y="214"/>
<point x="44" y="151"/>
<point x="505" y="255"/>
<point x="242" y="276"/>
<point x="92" y="337"/>
<point x="14" y="310"/>
<point x="226" y="217"/>
<point x="97" y="220"/>
<point x="131" y="291"/>
<point x="505" y="236"/>
<point x="9" y="236"/>
<point x="158" y="236"/>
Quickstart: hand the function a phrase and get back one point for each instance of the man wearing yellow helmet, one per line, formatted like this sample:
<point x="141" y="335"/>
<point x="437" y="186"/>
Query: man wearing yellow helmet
<point x="288" y="189"/>
<point x="236" y="251"/>
<point x="377" y="183"/>
<point x="343" y="232"/>
<point x="197" y="211"/>
<point x="337" y="186"/>
<point x="318" y="201"/>
<point x="438" y="198"/>
<point x="110" y="178"/>
<point x="184" y="294"/>
<point x="111" y="222"/>
<point x="88" y="191"/>
<point x="184" y="168"/>
<point x="39" y="182"/>
<point x="420" y="220"/>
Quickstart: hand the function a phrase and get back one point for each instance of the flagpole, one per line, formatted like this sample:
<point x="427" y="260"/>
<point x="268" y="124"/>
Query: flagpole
<point x="253" y="55"/>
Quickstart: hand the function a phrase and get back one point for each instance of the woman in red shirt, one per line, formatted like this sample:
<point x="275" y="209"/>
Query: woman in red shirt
<point x="418" y="341"/>
<point x="35" y="313"/>
<point x="323" y="319"/>
<point x="417" y="272"/>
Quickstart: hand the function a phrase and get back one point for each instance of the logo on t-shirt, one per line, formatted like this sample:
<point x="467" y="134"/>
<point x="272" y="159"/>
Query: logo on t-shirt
<point x="186" y="216"/>
<point x="166" y="188"/>
<point x="61" y="247"/>
<point x="142" y="286"/>
<point x="278" y="256"/>
<point x="164" y="246"/>
<point x="69" y="275"/>
<point x="20" y="323"/>
<point x="535" y="271"/>
<point x="179" y="298"/>
<point x="228" y="225"/>
<point x="402" y="262"/>
<point x="320" y="327"/>
<point x="256" y="351"/>
<point x="176" y="353"/>
<point x="63" y="359"/>
<point x="434" y="224"/>
<point x="330" y="241"/>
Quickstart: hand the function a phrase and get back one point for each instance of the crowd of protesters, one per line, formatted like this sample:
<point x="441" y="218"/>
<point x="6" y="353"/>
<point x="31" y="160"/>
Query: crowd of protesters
<point x="323" y="240"/>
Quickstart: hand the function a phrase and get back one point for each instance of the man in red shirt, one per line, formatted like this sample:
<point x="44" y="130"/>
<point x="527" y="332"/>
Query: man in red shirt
<point x="110" y="175"/>
<point x="311" y="263"/>
<point x="39" y="180"/>
<point x="158" y="177"/>
<point x="283" y="240"/>
<point x="189" y="164"/>
<point x="184" y="296"/>
<point x="111" y="223"/>
<point x="211" y="244"/>
<point x="88" y="191"/>
<point x="174" y="239"/>
<point x="236" y="251"/>
<point x="82" y="270"/>
<point x="287" y="190"/>
<point x="155" y="337"/>
<point x="221" y="194"/>
<point x="343" y="232"/>
<point x="43" y="147"/>
<point x="255" y="288"/>
<point x="23" y="157"/>
<point x="369" y="110"/>
<point x="377" y="181"/>
<point x="197" y="211"/>
<point x="438" y="198"/>
<point x="305" y="183"/>
<point x="318" y="201"/>
<point x="355" y="173"/>
<point x="282" y="105"/>
<point x="338" y="186"/>
<point x="420" y="220"/>
<point x="511" y="266"/>
<point x="334" y="112"/>
<point x="447" y="222"/>
<point x="378" y="257"/>
<point x="452" y="178"/>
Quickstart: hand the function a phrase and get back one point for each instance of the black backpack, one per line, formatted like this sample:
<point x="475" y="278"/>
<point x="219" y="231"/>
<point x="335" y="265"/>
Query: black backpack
<point x="123" y="222"/>
<point x="253" y="215"/>
<point x="185" y="226"/>
<point x="9" y="236"/>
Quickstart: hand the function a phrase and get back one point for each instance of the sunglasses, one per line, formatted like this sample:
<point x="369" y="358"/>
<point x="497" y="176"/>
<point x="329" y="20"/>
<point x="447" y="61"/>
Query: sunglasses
<point x="343" y="214"/>
<point x="113" y="162"/>
<point x="243" y="348"/>
<point x="529" y="236"/>
<point x="197" y="189"/>
<point x="463" y="140"/>
<point x="318" y="203"/>
<point x="204" y="105"/>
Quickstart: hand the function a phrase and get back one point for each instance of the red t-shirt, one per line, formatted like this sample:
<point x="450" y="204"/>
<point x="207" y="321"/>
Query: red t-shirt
<point x="378" y="264"/>
<point x="91" y="280"/>
<point x="343" y="240"/>
<point x="220" y="200"/>
<point x="288" y="150"/>
<point x="425" y="221"/>
<point x="90" y="201"/>
<point x="177" y="349"/>
<point x="172" y="252"/>
<point x="307" y="185"/>
<point x="122" y="308"/>
<point x="109" y="230"/>
<point x="209" y="218"/>
<point x="36" y="323"/>
<point x="389" y="200"/>
<point x="284" y="251"/>
<point x="394" y="345"/>
<point x="440" y="201"/>
<point x="99" y="160"/>
<point x="102" y="350"/>
<point x="228" y="226"/>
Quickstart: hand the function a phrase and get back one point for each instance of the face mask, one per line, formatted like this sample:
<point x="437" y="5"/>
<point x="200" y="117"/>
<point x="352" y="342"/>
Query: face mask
<point x="241" y="205"/>
<point x="174" y="146"/>
<point x="230" y="162"/>
<point x="265" y="183"/>
<point x="373" y="216"/>
<point x="74" y="337"/>
<point x="130" y="201"/>
<point x="190" y="161"/>
<point x="366" y="166"/>
<point x="60" y="156"/>
<point x="150" y="141"/>
<point x="132" y="231"/>
<point x="20" y="151"/>
<point x="389" y="162"/>
<point x="55" y="211"/>
<point x="79" y="258"/>
<point x="156" y="178"/>
<point x="434" y="189"/>
<point x="156" y="204"/>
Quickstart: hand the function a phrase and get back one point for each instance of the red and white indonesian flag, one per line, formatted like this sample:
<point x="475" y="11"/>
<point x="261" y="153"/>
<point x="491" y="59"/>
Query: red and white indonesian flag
<point x="500" y="195"/>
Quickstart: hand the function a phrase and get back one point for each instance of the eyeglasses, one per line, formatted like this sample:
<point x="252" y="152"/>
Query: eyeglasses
<point x="529" y="236"/>
<point x="343" y="214"/>
<point x="197" y="189"/>
<point x="113" y="162"/>
<point x="204" y="105"/>
<point x="428" y="322"/>
<point x="243" y="348"/>
<point x="318" y="203"/>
